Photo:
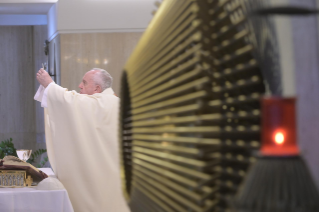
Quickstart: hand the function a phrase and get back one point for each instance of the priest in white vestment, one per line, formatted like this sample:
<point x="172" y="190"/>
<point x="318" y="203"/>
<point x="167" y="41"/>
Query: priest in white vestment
<point x="82" y="140"/>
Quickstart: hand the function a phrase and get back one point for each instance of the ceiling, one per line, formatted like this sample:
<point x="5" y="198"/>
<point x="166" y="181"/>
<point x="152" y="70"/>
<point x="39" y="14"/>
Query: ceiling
<point x="25" y="8"/>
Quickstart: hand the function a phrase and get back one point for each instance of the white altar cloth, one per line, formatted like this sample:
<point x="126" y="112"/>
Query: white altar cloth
<point x="32" y="200"/>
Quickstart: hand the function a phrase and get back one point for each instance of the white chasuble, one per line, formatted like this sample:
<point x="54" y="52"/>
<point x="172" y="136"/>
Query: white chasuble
<point x="82" y="142"/>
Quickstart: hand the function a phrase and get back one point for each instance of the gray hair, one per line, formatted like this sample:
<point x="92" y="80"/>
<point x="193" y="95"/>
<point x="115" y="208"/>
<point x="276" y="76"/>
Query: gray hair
<point x="103" y="78"/>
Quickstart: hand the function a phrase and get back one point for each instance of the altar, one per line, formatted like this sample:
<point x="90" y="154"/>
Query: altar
<point x="29" y="199"/>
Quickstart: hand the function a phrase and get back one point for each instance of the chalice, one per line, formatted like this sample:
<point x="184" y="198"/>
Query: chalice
<point x="24" y="154"/>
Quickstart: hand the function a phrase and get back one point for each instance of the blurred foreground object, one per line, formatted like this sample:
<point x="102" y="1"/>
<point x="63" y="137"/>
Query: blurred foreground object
<point x="288" y="10"/>
<point x="279" y="181"/>
<point x="191" y="104"/>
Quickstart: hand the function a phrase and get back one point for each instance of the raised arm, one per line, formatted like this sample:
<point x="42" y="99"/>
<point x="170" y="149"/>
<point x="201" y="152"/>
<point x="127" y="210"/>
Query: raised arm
<point x="44" y="78"/>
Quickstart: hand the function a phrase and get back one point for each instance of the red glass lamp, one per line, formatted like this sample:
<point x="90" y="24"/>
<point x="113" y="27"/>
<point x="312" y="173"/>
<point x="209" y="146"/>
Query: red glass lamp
<point x="279" y="180"/>
<point x="279" y="127"/>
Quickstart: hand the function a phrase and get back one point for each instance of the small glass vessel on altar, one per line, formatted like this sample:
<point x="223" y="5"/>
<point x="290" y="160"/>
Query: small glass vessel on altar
<point x="24" y="154"/>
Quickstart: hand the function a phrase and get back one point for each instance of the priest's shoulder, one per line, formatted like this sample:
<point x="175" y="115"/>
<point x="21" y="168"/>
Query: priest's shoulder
<point x="111" y="96"/>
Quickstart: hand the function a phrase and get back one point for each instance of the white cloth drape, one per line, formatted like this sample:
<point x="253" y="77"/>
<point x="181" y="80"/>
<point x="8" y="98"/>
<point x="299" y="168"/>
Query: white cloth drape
<point x="32" y="200"/>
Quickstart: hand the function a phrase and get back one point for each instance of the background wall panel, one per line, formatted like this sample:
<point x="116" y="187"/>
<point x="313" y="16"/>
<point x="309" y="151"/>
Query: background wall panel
<point x="39" y="36"/>
<point x="17" y="107"/>
<point x="83" y="51"/>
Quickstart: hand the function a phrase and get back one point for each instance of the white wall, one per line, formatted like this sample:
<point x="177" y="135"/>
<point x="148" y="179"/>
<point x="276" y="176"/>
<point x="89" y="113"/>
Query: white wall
<point x="306" y="66"/>
<point x="81" y="16"/>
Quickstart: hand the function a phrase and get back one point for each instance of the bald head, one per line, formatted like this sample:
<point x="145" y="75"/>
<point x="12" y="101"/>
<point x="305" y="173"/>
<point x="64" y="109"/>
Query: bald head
<point x="95" y="81"/>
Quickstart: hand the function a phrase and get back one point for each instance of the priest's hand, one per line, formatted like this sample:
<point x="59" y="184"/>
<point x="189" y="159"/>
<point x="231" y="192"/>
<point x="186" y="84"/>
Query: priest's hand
<point x="44" y="78"/>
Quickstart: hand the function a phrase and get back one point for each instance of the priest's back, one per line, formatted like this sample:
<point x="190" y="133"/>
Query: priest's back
<point x="83" y="149"/>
